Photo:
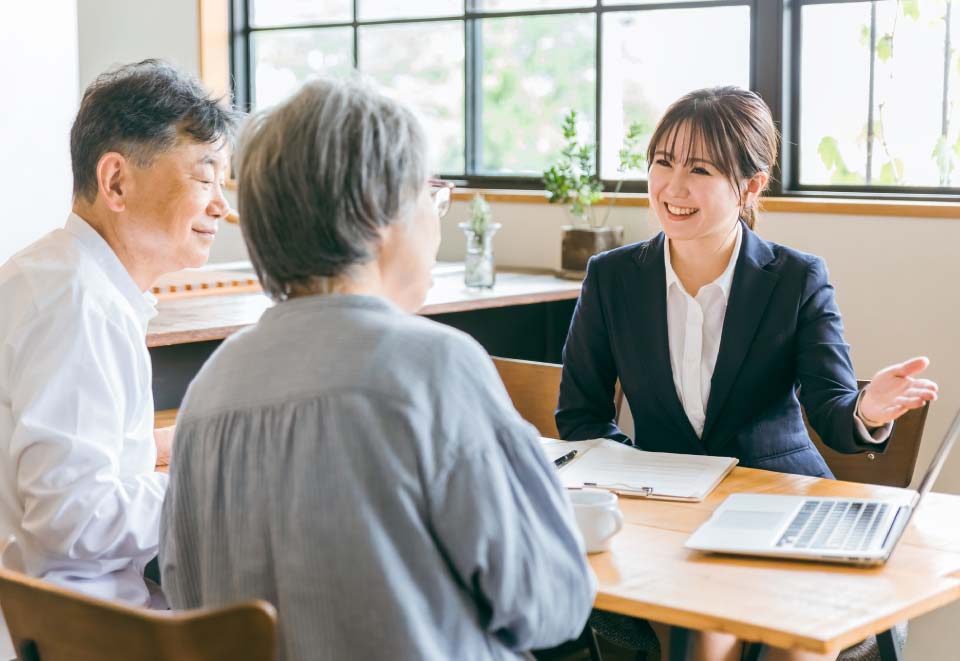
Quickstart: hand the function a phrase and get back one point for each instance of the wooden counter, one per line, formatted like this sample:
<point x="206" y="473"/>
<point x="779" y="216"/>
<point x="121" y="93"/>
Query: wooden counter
<point x="525" y="315"/>
<point x="202" y="318"/>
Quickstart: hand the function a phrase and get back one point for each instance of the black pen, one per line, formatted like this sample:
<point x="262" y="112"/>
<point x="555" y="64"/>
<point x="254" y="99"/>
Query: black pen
<point x="560" y="461"/>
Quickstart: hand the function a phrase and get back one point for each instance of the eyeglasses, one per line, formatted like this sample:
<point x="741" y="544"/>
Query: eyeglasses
<point x="441" y="192"/>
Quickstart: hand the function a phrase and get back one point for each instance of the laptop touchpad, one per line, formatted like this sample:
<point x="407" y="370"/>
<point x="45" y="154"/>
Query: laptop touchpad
<point x="749" y="520"/>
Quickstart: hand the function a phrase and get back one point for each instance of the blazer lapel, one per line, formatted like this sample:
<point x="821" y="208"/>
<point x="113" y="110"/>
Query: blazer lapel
<point x="749" y="294"/>
<point x="650" y="321"/>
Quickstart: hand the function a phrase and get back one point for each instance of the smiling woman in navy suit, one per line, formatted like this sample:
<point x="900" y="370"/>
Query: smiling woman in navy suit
<point x="716" y="335"/>
<point x="713" y="332"/>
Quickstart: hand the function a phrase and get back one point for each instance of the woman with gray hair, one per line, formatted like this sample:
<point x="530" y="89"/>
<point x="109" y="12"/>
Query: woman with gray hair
<point x="358" y="466"/>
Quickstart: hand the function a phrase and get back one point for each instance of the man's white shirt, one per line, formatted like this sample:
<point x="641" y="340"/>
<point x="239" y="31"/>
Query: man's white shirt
<point x="695" y="327"/>
<point x="79" y="499"/>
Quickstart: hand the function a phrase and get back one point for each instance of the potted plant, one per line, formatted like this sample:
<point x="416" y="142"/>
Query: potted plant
<point x="572" y="180"/>
<point x="479" y="229"/>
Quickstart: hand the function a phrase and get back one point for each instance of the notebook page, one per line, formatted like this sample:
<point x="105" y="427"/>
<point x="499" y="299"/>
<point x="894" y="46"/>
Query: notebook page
<point x="620" y="467"/>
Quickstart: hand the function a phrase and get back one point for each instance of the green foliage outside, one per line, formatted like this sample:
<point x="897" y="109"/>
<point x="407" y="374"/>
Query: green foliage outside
<point x="535" y="70"/>
<point x="892" y="170"/>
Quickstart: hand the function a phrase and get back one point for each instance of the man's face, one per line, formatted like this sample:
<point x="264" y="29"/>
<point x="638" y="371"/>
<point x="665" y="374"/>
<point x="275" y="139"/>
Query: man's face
<point x="173" y="206"/>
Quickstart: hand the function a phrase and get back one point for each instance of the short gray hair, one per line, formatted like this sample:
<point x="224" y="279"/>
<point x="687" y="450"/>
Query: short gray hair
<point x="140" y="110"/>
<point x="320" y="174"/>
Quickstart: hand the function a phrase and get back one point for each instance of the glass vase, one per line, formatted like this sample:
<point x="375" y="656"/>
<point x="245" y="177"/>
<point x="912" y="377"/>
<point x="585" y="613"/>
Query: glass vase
<point x="478" y="267"/>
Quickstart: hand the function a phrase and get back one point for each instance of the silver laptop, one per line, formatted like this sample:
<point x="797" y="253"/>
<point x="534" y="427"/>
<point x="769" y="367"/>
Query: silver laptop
<point x="859" y="531"/>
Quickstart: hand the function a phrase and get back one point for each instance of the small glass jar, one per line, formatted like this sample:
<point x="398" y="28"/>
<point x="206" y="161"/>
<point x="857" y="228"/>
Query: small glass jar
<point x="478" y="267"/>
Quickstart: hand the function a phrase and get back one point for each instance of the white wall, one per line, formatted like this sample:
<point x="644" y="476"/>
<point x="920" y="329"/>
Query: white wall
<point x="38" y="73"/>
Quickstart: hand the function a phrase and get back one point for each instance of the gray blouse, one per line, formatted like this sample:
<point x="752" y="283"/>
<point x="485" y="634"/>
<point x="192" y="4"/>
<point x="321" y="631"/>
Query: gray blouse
<point x="364" y="471"/>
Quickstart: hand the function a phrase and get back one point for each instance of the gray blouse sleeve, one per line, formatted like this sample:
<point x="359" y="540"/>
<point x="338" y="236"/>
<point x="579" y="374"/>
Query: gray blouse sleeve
<point x="505" y="524"/>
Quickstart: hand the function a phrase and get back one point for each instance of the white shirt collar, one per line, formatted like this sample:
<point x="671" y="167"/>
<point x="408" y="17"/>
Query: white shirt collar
<point x="724" y="281"/>
<point x="144" y="303"/>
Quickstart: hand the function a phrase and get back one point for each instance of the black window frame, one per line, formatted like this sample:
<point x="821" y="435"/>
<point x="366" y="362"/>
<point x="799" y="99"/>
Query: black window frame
<point x="775" y="55"/>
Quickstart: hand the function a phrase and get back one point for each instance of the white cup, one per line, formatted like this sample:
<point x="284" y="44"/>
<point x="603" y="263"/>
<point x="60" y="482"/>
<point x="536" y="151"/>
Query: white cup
<point x="598" y="517"/>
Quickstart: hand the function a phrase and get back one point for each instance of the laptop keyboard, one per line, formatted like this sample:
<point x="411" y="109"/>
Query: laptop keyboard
<point x="833" y="525"/>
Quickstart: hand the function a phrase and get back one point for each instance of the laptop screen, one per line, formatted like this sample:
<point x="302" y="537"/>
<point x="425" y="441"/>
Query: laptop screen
<point x="939" y="459"/>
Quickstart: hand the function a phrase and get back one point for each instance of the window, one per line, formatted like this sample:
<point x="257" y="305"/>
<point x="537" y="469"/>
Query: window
<point x="880" y="108"/>
<point x="873" y="112"/>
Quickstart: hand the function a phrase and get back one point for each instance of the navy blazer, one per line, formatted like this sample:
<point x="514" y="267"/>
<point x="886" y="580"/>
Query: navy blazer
<point x="782" y="330"/>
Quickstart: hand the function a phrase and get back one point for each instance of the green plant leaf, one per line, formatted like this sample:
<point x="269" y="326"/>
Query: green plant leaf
<point x="887" y="175"/>
<point x="571" y="179"/>
<point x="632" y="153"/>
<point x="891" y="172"/>
<point x="885" y="47"/>
<point x="829" y="152"/>
<point x="942" y="154"/>
<point x="481" y="217"/>
<point x="570" y="126"/>
<point x="910" y="8"/>
<point x="865" y="36"/>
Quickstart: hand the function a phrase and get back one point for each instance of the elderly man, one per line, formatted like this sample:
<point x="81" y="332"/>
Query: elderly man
<point x="79" y="496"/>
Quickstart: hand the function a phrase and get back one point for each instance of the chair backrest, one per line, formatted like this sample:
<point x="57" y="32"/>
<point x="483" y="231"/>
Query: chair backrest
<point x="49" y="623"/>
<point x="892" y="468"/>
<point x="535" y="388"/>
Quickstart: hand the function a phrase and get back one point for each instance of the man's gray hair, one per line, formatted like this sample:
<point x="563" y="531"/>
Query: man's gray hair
<point x="320" y="175"/>
<point x="140" y="110"/>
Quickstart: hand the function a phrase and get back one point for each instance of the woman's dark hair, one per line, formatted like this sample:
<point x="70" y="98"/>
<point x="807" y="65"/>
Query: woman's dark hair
<point x="139" y="110"/>
<point x="732" y="125"/>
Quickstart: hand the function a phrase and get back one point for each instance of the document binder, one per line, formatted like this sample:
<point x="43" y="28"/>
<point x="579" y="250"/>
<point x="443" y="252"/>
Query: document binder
<point x="605" y="464"/>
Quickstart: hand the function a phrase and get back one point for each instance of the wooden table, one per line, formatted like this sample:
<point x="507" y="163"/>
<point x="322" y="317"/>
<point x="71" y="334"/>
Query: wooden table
<point x="810" y="606"/>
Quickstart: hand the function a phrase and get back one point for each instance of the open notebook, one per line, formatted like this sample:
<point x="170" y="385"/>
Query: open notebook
<point x="606" y="464"/>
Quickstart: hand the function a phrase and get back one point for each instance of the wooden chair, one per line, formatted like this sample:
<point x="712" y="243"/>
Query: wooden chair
<point x="49" y="623"/>
<point x="535" y="388"/>
<point x="165" y="418"/>
<point x="892" y="468"/>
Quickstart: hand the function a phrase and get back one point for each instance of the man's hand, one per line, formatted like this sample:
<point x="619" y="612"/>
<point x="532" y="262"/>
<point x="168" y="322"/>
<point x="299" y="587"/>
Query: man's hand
<point x="163" y="437"/>
<point x="894" y="390"/>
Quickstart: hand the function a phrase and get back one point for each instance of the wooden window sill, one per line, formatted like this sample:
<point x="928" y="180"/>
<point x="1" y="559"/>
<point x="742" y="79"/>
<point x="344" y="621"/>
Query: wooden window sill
<point x="813" y="205"/>
<point x="820" y="205"/>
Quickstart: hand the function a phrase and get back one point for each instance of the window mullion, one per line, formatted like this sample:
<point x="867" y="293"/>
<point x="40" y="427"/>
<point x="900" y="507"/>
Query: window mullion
<point x="945" y="103"/>
<point x="766" y="69"/>
<point x="240" y="54"/>
<point x="872" y="91"/>
<point x="473" y="90"/>
<point x="356" y="34"/>
<point x="598" y="88"/>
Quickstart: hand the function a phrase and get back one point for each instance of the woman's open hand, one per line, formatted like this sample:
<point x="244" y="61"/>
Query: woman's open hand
<point x="894" y="390"/>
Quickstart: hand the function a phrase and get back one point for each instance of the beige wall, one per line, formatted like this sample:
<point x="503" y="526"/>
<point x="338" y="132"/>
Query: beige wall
<point x="38" y="76"/>
<point x="896" y="278"/>
<point x="120" y="31"/>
